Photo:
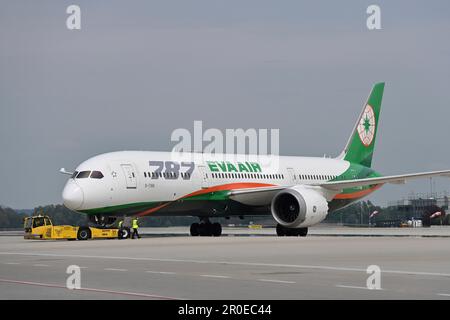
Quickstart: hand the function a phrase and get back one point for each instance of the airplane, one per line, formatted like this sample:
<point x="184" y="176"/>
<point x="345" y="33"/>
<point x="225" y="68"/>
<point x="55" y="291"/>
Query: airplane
<point x="298" y="192"/>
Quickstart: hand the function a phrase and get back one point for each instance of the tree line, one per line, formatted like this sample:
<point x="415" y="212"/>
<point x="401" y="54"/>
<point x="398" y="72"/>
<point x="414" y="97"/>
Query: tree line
<point x="355" y="214"/>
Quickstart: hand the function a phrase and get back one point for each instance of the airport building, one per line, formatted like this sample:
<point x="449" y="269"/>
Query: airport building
<point x="417" y="203"/>
<point x="421" y="207"/>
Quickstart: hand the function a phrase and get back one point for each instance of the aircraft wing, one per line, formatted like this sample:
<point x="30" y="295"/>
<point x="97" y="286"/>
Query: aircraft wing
<point x="397" y="179"/>
<point x="256" y="196"/>
<point x="263" y="195"/>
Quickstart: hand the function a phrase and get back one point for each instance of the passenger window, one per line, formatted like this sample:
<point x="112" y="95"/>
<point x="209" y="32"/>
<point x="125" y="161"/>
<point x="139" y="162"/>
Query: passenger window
<point x="83" y="174"/>
<point x="96" y="175"/>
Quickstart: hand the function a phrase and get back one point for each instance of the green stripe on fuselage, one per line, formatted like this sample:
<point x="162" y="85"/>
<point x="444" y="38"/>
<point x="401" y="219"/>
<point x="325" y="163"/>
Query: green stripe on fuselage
<point x="356" y="171"/>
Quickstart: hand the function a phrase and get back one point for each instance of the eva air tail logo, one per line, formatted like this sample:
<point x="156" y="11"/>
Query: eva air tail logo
<point x="366" y="126"/>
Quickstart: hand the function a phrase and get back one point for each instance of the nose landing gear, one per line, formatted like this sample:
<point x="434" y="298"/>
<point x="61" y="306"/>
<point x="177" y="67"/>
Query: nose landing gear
<point x="101" y="221"/>
<point x="206" y="229"/>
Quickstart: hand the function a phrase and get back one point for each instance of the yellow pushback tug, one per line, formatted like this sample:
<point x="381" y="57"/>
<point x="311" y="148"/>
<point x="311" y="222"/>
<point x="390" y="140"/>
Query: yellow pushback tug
<point x="41" y="227"/>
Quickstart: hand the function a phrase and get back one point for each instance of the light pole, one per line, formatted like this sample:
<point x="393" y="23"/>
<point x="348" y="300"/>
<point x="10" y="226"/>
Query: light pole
<point x="360" y="214"/>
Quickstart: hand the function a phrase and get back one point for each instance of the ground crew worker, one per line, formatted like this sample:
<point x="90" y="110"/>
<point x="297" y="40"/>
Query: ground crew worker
<point x="120" y="229"/>
<point x="135" y="226"/>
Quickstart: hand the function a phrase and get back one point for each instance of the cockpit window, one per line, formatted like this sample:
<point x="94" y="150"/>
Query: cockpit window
<point x="74" y="174"/>
<point x="83" y="174"/>
<point x="96" y="175"/>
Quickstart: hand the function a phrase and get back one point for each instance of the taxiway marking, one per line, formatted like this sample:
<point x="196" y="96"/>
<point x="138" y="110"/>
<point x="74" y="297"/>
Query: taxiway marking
<point x="443" y="294"/>
<point x="127" y="293"/>
<point x="214" y="276"/>
<point x="160" y="272"/>
<point x="113" y="269"/>
<point x="276" y="281"/>
<point x="242" y="263"/>
<point x="356" y="287"/>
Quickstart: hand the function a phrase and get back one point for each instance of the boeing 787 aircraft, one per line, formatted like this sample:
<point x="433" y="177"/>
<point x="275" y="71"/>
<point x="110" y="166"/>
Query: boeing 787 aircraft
<point x="297" y="191"/>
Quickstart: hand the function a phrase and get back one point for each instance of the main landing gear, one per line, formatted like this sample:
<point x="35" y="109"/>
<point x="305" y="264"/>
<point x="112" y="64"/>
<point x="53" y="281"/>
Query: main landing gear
<point x="291" y="232"/>
<point x="206" y="229"/>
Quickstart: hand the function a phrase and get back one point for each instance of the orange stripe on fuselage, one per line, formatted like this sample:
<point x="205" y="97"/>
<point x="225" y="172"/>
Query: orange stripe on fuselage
<point x="357" y="194"/>
<point x="228" y="186"/>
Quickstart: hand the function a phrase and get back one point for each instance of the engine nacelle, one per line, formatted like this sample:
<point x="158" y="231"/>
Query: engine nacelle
<point x="299" y="207"/>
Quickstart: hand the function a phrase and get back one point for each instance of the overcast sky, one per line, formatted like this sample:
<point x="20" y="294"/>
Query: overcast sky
<point x="137" y="70"/>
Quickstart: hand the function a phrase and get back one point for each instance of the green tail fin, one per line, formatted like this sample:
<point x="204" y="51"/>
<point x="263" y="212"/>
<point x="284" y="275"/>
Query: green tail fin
<point x="360" y="146"/>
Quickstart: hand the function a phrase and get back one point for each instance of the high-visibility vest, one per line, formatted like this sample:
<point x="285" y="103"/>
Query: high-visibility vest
<point x="135" y="224"/>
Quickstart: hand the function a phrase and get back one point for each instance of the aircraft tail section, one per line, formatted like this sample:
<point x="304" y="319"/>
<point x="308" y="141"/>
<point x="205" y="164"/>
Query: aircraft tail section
<point x="360" y="146"/>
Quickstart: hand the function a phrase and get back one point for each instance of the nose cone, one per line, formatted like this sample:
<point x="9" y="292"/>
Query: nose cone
<point x="72" y="195"/>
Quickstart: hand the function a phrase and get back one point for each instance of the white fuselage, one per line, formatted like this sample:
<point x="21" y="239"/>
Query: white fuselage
<point x="139" y="177"/>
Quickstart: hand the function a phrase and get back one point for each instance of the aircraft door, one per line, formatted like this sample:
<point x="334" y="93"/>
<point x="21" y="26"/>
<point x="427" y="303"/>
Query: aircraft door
<point x="292" y="175"/>
<point x="130" y="175"/>
<point x="204" y="177"/>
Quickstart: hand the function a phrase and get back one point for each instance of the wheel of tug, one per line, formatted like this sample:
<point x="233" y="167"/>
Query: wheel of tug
<point x="84" y="233"/>
<point x="216" y="229"/>
<point x="195" y="229"/>
<point x="124" y="233"/>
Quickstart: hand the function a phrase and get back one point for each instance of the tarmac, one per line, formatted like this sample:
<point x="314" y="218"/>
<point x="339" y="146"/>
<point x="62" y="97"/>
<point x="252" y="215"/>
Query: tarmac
<point x="331" y="263"/>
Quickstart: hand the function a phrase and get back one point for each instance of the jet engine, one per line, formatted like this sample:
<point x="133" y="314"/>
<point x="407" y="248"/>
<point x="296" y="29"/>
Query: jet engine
<point x="299" y="207"/>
